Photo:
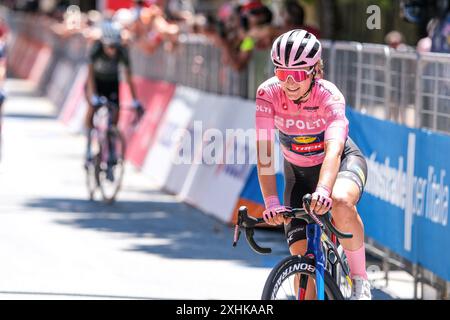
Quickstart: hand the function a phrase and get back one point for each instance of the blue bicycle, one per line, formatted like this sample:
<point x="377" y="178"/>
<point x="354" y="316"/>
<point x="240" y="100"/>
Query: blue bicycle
<point x="323" y="264"/>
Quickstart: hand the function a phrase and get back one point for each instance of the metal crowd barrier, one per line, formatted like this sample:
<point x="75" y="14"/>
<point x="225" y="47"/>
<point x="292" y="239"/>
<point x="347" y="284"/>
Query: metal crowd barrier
<point x="194" y="63"/>
<point x="404" y="87"/>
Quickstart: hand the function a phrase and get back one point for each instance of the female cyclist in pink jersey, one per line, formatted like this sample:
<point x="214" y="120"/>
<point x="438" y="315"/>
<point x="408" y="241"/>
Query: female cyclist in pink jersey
<point x="319" y="157"/>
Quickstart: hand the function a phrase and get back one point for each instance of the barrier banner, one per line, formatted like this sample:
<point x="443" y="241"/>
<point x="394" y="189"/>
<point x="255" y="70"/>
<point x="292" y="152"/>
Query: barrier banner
<point x="27" y="61"/>
<point x="405" y="203"/>
<point x="160" y="160"/>
<point x="155" y="97"/>
<point x="16" y="55"/>
<point x="40" y="64"/>
<point x="74" y="109"/>
<point x="225" y="154"/>
<point x="61" y="82"/>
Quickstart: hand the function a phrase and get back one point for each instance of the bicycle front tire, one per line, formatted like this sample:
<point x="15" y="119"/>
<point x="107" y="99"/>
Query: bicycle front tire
<point x="291" y="266"/>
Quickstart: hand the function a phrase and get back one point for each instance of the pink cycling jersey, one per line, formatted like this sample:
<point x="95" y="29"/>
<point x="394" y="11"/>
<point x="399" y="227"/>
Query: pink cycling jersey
<point x="303" y="128"/>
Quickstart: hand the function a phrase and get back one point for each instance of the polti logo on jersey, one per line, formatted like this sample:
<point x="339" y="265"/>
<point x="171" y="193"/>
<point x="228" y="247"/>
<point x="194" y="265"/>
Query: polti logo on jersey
<point x="299" y="124"/>
<point x="263" y="109"/>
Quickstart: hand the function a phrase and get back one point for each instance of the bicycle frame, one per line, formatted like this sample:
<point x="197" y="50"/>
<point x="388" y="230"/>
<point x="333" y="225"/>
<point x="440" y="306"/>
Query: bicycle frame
<point x="103" y="130"/>
<point x="313" y="236"/>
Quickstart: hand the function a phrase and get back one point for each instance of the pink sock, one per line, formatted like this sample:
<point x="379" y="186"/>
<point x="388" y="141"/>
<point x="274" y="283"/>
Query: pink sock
<point x="357" y="262"/>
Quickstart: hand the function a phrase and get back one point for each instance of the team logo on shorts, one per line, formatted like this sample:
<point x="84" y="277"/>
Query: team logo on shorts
<point x="360" y="174"/>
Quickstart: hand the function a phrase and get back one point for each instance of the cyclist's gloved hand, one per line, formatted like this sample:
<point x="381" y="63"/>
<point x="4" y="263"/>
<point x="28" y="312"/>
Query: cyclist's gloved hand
<point x="272" y="214"/>
<point x="321" y="201"/>
<point x="137" y="106"/>
<point x="95" y="101"/>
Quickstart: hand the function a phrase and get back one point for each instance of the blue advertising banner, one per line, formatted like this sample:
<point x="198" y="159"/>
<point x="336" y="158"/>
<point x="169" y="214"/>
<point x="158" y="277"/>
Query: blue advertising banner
<point x="405" y="203"/>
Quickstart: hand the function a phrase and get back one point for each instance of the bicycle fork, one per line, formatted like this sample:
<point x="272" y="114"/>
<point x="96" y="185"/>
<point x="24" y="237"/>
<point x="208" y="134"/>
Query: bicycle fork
<point x="314" y="234"/>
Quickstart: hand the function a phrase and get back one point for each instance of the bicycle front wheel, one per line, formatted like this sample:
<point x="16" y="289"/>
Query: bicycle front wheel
<point x="283" y="280"/>
<point x="111" y="182"/>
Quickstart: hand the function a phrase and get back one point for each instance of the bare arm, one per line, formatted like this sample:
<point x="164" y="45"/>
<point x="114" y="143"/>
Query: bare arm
<point x="2" y="71"/>
<point x="331" y="163"/>
<point x="129" y="79"/>
<point x="90" y="88"/>
<point x="237" y="60"/>
<point x="267" y="177"/>
<point x="266" y="171"/>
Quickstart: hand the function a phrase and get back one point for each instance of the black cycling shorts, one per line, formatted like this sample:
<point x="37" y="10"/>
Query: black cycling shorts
<point x="300" y="181"/>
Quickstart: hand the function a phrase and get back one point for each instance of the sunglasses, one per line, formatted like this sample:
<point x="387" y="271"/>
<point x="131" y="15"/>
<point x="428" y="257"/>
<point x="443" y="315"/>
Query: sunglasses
<point x="296" y="75"/>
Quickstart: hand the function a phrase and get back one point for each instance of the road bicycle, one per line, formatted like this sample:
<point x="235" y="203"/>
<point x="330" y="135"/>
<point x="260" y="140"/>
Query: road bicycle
<point x="324" y="260"/>
<point x="106" y="170"/>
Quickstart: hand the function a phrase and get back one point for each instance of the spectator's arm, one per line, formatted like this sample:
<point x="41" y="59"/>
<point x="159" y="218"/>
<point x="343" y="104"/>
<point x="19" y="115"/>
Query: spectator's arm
<point x="238" y="60"/>
<point x="2" y="71"/>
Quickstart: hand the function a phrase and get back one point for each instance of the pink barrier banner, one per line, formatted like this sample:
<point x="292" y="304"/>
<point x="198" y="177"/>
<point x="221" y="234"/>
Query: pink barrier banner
<point x="42" y="61"/>
<point x="28" y="59"/>
<point x="17" y="54"/>
<point x="155" y="97"/>
<point x="75" y="97"/>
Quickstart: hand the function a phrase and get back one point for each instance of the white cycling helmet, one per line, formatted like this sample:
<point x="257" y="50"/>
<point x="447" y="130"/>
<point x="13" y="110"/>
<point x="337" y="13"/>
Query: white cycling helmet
<point x="111" y="33"/>
<point x="296" y="49"/>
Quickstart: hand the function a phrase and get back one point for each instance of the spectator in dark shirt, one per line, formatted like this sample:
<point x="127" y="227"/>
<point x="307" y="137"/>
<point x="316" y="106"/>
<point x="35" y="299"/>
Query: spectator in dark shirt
<point x="293" y="16"/>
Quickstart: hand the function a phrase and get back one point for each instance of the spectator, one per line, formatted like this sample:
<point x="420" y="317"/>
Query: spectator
<point x="126" y="19"/>
<point x="138" y="5"/>
<point x="179" y="10"/>
<point x="255" y="32"/>
<point x="152" y="29"/>
<point x="293" y="16"/>
<point x="424" y="44"/>
<point x="395" y="40"/>
<point x="440" y="34"/>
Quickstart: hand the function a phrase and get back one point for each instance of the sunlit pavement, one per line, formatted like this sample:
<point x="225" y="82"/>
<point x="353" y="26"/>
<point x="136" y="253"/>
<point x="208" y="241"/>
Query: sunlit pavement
<point x="55" y="244"/>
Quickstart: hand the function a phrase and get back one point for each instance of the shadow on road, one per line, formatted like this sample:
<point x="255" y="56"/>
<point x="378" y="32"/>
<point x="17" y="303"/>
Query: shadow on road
<point x="186" y="232"/>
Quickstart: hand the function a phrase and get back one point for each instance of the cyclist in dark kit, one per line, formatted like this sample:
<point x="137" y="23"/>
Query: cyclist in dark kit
<point x="105" y="57"/>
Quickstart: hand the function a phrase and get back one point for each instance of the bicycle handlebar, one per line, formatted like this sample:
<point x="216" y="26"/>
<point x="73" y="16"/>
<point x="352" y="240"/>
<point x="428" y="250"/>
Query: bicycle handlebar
<point x="248" y="223"/>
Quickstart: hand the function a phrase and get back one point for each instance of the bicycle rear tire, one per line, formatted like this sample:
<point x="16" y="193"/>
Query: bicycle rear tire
<point x="297" y="265"/>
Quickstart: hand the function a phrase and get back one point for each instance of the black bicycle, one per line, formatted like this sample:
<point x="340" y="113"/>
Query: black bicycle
<point x="105" y="171"/>
<point x="324" y="261"/>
